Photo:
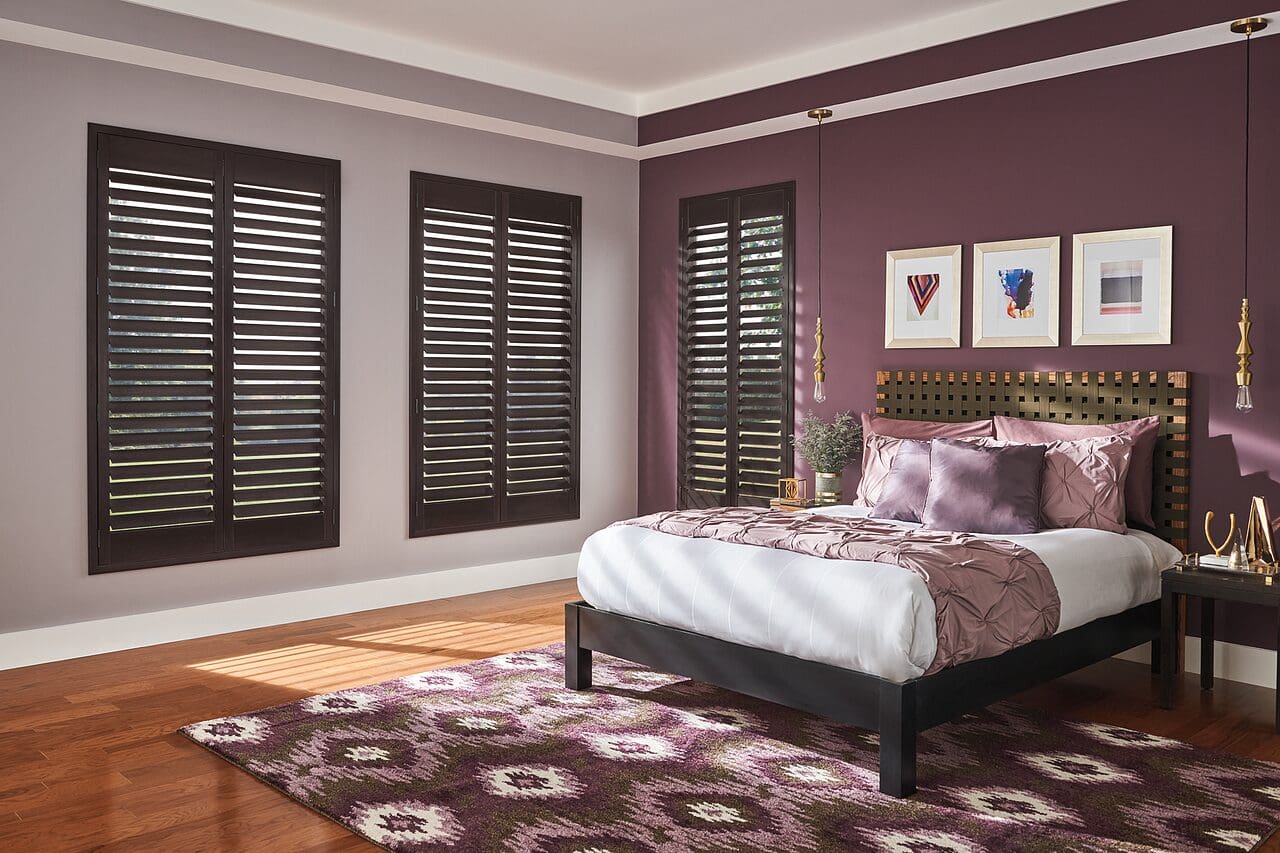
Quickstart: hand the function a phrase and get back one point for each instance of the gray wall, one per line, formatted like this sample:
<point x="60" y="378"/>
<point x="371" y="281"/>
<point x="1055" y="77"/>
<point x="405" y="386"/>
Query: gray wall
<point x="46" y="100"/>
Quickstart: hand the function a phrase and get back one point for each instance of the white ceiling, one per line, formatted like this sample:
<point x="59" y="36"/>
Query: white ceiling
<point x="633" y="57"/>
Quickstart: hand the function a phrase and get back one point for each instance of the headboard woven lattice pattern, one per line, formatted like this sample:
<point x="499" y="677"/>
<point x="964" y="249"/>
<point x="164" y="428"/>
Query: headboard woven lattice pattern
<point x="1067" y="397"/>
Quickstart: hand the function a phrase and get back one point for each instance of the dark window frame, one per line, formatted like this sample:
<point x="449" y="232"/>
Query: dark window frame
<point x="419" y="524"/>
<point x="98" y="357"/>
<point x="733" y="198"/>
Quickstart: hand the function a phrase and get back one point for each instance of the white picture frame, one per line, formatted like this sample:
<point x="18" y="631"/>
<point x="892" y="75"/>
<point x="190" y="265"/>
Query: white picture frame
<point x="1122" y="287"/>
<point x="1021" y="311"/>
<point x="922" y="298"/>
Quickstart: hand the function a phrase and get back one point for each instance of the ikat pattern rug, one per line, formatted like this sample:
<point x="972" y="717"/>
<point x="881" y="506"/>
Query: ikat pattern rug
<point x="498" y="756"/>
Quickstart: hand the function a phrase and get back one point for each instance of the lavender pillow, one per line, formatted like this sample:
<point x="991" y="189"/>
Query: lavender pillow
<point x="977" y="489"/>
<point x="907" y="484"/>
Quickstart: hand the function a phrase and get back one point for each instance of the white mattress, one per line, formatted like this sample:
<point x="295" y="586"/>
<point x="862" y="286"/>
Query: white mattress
<point x="869" y="617"/>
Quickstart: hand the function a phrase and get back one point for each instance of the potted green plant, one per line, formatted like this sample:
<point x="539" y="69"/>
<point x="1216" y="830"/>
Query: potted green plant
<point x="828" y="447"/>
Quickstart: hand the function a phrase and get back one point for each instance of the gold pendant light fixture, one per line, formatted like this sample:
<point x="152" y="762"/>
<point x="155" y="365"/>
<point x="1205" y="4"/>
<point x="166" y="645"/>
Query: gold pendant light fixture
<point x="819" y="357"/>
<point x="1244" y="352"/>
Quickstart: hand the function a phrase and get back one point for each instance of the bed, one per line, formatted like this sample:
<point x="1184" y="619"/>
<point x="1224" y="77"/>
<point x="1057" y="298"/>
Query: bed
<point x="856" y="646"/>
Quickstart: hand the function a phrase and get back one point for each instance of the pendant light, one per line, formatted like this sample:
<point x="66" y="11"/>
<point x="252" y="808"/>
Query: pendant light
<point x="1244" y="352"/>
<point x="819" y="357"/>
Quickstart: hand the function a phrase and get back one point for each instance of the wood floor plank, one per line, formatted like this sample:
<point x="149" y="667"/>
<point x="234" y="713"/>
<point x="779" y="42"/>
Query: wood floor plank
<point x="90" y="758"/>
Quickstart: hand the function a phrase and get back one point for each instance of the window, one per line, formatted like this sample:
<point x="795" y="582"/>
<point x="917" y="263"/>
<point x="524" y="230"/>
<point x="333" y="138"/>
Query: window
<point x="736" y="343"/>
<point x="213" y="351"/>
<point x="494" y="337"/>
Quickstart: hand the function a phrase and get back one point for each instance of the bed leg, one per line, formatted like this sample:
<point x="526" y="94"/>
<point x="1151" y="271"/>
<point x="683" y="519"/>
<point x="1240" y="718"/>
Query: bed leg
<point x="897" y="739"/>
<point x="577" y="660"/>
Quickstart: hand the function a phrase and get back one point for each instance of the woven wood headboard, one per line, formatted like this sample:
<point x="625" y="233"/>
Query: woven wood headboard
<point x="1067" y="397"/>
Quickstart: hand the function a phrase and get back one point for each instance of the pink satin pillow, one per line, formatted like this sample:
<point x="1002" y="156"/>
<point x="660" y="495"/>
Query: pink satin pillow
<point x="924" y="430"/>
<point x="1083" y="483"/>
<point x="1144" y="433"/>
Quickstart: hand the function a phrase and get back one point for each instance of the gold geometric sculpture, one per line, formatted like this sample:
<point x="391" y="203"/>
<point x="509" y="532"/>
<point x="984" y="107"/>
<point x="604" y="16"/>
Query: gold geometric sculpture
<point x="792" y="489"/>
<point x="1259" y="544"/>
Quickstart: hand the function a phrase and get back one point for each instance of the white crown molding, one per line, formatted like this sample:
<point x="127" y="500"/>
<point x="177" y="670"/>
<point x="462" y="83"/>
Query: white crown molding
<point x="132" y="54"/>
<point x="1137" y="51"/>
<point x="918" y="35"/>
<point x="422" y="53"/>
<point x="99" y="636"/>
<point x="380" y="44"/>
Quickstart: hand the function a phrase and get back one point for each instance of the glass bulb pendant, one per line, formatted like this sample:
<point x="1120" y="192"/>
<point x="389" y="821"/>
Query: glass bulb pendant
<point x="1244" y="354"/>
<point x="819" y="371"/>
<point x="1244" y="399"/>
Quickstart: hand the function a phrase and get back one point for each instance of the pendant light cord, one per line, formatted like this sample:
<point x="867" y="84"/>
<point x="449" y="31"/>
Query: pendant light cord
<point x="1248" y="102"/>
<point x="820" y="216"/>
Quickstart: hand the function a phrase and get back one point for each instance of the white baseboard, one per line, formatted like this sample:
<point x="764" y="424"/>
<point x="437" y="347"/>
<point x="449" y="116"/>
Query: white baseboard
<point x="60" y="642"/>
<point x="1230" y="661"/>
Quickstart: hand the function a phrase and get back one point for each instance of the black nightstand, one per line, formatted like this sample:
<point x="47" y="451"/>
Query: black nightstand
<point x="1209" y="586"/>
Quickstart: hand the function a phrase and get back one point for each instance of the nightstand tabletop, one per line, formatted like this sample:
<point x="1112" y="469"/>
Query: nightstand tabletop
<point x="1230" y="586"/>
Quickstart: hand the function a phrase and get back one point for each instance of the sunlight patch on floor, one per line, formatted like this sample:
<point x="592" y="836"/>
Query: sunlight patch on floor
<point x="373" y="656"/>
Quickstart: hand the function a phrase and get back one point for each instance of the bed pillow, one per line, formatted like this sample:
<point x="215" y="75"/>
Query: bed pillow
<point x="873" y="424"/>
<point x="983" y="489"/>
<point x="907" y="484"/>
<point x="1138" y="482"/>
<point x="1083" y="483"/>
<point x="878" y="452"/>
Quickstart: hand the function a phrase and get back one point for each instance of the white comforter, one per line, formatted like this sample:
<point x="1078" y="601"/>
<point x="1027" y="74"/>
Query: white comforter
<point x="869" y="617"/>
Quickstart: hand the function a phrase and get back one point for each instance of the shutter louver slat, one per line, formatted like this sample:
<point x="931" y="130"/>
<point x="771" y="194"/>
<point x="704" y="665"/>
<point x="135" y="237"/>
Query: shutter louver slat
<point x="494" y="435"/>
<point x="735" y="347"/>
<point x="214" y="387"/>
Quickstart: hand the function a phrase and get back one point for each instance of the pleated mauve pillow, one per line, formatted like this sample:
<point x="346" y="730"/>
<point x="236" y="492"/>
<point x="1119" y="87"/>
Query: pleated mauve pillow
<point x="1083" y="483"/>
<point x="983" y="489"/>
<point x="1138" y="481"/>
<point x="878" y="453"/>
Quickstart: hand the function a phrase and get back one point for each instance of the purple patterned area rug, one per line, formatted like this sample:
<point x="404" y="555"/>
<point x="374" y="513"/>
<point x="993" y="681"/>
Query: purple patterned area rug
<point x="497" y="755"/>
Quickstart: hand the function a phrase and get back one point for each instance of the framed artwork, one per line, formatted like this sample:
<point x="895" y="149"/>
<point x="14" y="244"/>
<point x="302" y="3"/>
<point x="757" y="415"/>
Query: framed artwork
<point x="1122" y="287"/>
<point x="922" y="298"/>
<point x="1015" y="293"/>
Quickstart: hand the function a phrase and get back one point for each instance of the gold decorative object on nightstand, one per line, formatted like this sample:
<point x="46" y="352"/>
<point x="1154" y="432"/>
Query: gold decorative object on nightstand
<point x="791" y="495"/>
<point x="1226" y="542"/>
<point x="792" y="488"/>
<point x="1259" y="544"/>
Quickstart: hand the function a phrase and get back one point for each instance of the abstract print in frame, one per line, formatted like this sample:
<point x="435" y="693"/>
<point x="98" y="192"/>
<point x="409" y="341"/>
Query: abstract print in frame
<point x="922" y="298"/>
<point x="1122" y="287"/>
<point x="1015" y="293"/>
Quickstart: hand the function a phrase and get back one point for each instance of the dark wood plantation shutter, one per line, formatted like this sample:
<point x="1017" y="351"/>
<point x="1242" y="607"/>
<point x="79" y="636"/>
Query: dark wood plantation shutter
<point x="213" y="351"/>
<point x="736" y="345"/>
<point x="494" y="335"/>
<point x="284" y="325"/>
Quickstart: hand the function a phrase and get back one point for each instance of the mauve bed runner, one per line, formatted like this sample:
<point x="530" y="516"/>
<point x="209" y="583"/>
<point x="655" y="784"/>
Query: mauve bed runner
<point x="990" y="595"/>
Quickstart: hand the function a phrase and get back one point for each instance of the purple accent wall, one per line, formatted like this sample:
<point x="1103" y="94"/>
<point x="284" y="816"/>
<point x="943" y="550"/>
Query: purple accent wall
<point x="1152" y="143"/>
<point x="1088" y="30"/>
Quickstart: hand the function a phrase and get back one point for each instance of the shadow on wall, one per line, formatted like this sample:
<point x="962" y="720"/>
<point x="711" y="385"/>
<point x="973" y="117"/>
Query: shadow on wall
<point x="1222" y="458"/>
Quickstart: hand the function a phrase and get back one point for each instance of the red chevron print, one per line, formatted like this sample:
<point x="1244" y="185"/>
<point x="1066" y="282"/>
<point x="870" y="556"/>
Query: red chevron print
<point x="923" y="288"/>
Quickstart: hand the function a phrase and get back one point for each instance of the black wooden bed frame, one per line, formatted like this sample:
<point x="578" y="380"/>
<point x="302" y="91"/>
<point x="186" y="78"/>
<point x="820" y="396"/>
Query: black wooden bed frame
<point x="900" y="711"/>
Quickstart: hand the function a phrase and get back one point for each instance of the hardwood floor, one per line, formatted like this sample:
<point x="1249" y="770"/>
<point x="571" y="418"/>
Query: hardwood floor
<point x="89" y="758"/>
